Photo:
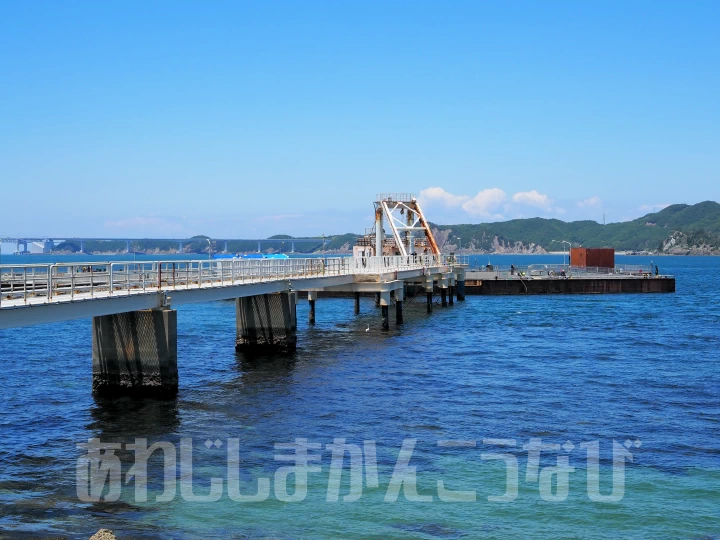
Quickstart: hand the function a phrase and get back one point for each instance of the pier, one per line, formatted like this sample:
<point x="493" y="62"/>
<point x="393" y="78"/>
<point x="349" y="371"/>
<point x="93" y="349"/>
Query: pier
<point x="132" y="304"/>
<point x="134" y="324"/>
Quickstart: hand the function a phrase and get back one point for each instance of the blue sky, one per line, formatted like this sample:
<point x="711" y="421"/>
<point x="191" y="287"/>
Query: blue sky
<point x="235" y="119"/>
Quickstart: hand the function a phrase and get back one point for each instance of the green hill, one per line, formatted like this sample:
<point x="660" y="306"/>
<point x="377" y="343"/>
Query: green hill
<point x="679" y="228"/>
<point x="696" y="225"/>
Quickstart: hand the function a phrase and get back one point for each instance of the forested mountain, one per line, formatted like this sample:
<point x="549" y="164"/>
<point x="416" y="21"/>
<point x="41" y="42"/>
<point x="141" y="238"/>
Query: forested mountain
<point x="679" y="228"/>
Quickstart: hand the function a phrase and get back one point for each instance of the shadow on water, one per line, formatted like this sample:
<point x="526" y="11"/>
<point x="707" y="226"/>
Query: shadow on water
<point x="126" y="417"/>
<point x="263" y="367"/>
<point x="41" y="499"/>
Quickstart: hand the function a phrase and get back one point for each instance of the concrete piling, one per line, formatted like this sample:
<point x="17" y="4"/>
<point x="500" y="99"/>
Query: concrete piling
<point x="385" y="302"/>
<point x="460" y="285"/>
<point x="311" y="301"/>
<point x="399" y="297"/>
<point x="357" y="303"/>
<point x="266" y="323"/>
<point x="135" y="353"/>
<point x="385" y="323"/>
<point x="429" y="286"/>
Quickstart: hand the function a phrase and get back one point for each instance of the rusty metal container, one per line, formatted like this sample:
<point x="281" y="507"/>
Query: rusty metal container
<point x="591" y="257"/>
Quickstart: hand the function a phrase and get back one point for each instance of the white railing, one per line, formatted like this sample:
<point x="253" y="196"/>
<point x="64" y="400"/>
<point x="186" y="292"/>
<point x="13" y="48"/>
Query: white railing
<point x="45" y="283"/>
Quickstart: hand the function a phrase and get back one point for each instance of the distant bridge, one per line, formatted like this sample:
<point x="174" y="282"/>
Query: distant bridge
<point x="24" y="241"/>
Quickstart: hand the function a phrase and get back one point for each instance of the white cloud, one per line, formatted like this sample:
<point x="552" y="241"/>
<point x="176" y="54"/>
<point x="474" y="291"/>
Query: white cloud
<point x="434" y="195"/>
<point x="532" y="198"/>
<point x="652" y="207"/>
<point x="491" y="204"/>
<point x="485" y="203"/>
<point x="590" y="202"/>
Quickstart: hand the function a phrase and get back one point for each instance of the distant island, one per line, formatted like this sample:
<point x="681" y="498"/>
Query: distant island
<point x="679" y="229"/>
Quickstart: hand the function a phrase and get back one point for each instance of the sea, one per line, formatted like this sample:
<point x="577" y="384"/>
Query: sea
<point x="578" y="416"/>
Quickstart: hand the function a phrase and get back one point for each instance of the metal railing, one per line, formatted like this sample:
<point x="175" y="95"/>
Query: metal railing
<point x="395" y="197"/>
<point x="549" y="271"/>
<point x="45" y="283"/>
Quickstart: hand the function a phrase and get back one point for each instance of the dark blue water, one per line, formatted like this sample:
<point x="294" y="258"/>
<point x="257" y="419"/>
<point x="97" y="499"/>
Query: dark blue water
<point x="560" y="368"/>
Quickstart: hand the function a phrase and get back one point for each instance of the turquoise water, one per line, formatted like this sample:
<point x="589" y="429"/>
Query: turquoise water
<point x="562" y="368"/>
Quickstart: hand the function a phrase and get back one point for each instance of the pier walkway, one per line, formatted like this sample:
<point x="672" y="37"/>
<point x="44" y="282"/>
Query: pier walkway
<point x="134" y="325"/>
<point x="43" y="293"/>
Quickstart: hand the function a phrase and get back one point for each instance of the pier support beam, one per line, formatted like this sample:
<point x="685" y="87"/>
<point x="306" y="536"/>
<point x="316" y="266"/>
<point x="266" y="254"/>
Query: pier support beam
<point x="377" y="299"/>
<point x="399" y="297"/>
<point x="385" y="302"/>
<point x="135" y="353"/>
<point x="451" y="289"/>
<point x="461" y="285"/>
<point x="266" y="323"/>
<point x="443" y="284"/>
<point x="429" y="284"/>
<point x="357" y="303"/>
<point x="312" y="296"/>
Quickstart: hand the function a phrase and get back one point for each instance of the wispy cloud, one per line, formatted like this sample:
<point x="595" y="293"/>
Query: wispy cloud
<point x="437" y="195"/>
<point x="486" y="203"/>
<point x="490" y="203"/>
<point x="591" y="202"/>
<point x="652" y="207"/>
<point x="532" y="198"/>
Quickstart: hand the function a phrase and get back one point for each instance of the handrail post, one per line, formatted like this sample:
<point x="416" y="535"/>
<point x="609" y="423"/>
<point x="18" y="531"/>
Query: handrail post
<point x="49" y="282"/>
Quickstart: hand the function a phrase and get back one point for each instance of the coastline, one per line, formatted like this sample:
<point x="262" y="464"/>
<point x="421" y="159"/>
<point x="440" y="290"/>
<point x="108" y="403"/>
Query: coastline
<point x="344" y="252"/>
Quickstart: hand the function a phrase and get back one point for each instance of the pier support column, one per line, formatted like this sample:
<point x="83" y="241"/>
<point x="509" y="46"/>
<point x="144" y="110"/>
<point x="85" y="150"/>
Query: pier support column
<point x="385" y="302"/>
<point x="377" y="299"/>
<point x="312" y="296"/>
<point x="357" y="303"/>
<point x="135" y="353"/>
<point x="443" y="284"/>
<point x="460" y="285"/>
<point x="266" y="323"/>
<point x="451" y="289"/>
<point x="429" y="284"/>
<point x="399" y="297"/>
